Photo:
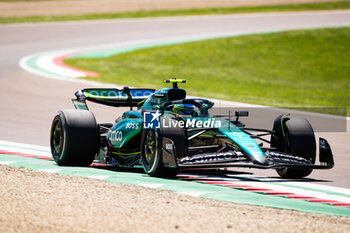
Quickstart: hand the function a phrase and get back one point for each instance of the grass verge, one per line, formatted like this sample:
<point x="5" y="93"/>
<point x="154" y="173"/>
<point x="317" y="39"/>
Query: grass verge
<point x="160" y="13"/>
<point x="294" y="68"/>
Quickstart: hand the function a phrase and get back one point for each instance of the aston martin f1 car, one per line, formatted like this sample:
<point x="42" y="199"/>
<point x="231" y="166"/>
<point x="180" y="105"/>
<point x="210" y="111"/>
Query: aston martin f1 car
<point x="168" y="132"/>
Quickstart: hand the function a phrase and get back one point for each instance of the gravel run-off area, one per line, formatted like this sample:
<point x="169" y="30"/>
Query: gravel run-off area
<point x="33" y="201"/>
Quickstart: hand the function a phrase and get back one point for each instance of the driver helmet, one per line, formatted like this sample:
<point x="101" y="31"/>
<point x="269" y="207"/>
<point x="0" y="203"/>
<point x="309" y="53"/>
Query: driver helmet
<point x="184" y="109"/>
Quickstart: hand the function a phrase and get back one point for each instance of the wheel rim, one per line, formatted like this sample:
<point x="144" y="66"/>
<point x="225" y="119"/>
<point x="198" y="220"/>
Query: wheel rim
<point x="150" y="148"/>
<point x="57" y="139"/>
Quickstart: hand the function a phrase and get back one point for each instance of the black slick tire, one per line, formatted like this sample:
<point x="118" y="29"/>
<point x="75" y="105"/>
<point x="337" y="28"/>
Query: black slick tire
<point x="299" y="140"/>
<point x="151" y="150"/>
<point x="74" y="139"/>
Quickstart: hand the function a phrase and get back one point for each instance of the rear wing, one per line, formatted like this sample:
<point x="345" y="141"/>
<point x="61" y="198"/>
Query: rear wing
<point x="126" y="97"/>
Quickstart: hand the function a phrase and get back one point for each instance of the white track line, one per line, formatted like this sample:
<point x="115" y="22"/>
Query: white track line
<point x="46" y="61"/>
<point x="24" y="146"/>
<point x="192" y="193"/>
<point x="151" y="185"/>
<point x="50" y="170"/>
<point x="297" y="184"/>
<point x="25" y="151"/>
<point x="98" y="177"/>
<point x="23" y="63"/>
<point x="7" y="162"/>
<point x="297" y="189"/>
<point x="320" y="187"/>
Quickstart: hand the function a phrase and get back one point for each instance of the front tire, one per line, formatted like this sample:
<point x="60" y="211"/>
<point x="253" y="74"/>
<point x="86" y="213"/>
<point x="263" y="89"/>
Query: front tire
<point x="299" y="140"/>
<point x="74" y="138"/>
<point x="151" y="150"/>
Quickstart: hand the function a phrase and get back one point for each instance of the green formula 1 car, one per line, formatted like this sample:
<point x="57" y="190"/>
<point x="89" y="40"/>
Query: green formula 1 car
<point x="169" y="132"/>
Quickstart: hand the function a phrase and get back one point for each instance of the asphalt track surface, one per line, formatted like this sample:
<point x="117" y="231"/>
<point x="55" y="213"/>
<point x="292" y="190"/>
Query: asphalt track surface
<point x="28" y="102"/>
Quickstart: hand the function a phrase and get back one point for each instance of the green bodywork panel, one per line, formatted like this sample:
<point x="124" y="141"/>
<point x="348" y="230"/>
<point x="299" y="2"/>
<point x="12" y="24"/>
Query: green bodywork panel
<point x="236" y="135"/>
<point x="244" y="141"/>
<point x="125" y="129"/>
<point x="155" y="102"/>
<point x="80" y="105"/>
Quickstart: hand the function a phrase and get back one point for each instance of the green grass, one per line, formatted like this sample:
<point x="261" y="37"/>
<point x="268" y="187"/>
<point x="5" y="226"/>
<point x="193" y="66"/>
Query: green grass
<point x="294" y="68"/>
<point x="141" y="14"/>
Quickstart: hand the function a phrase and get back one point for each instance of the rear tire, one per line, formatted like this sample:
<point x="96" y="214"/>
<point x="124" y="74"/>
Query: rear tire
<point x="74" y="138"/>
<point x="299" y="140"/>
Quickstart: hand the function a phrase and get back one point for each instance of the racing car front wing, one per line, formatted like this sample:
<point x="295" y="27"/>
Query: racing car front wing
<point x="275" y="159"/>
